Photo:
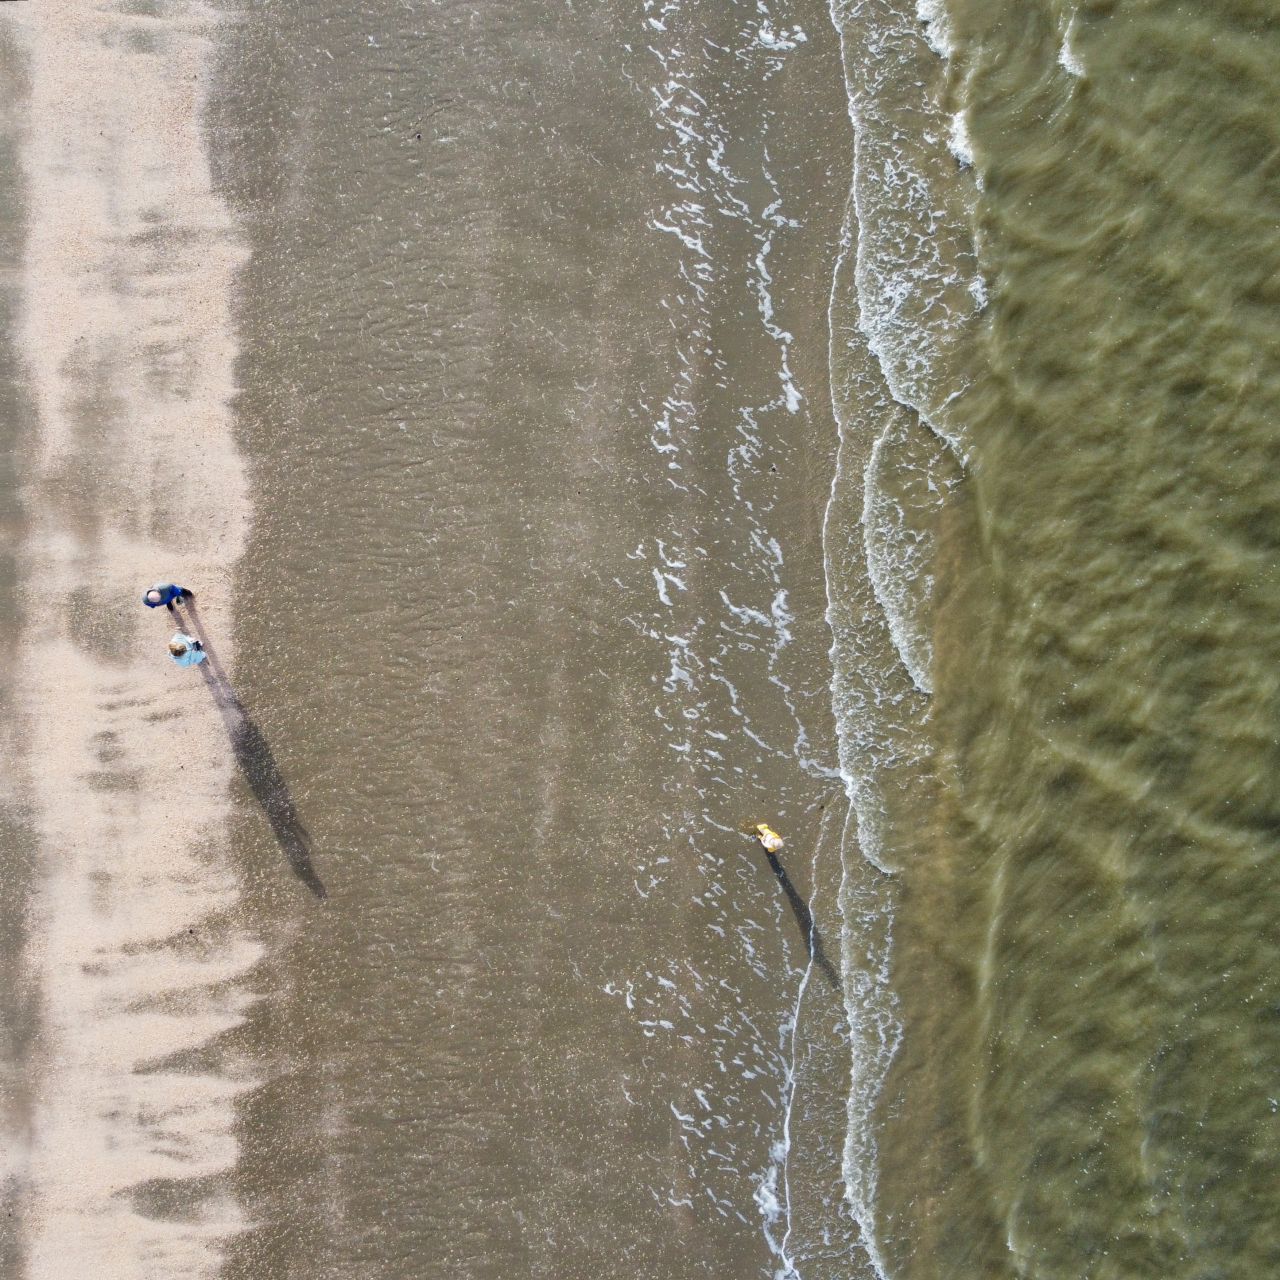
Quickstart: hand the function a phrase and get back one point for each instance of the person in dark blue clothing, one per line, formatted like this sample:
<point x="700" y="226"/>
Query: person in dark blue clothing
<point x="167" y="594"/>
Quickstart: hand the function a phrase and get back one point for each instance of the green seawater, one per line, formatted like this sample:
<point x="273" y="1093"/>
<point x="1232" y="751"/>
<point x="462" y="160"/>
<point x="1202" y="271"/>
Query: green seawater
<point x="1087" y="954"/>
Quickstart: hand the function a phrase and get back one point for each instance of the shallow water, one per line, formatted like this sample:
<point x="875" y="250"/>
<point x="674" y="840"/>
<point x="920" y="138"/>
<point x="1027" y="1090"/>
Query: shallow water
<point x="1084" y="951"/>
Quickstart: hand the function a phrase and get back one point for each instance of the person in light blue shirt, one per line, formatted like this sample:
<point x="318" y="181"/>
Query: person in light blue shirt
<point x="185" y="650"/>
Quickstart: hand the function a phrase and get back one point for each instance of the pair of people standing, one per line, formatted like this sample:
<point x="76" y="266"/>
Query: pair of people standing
<point x="185" y="650"/>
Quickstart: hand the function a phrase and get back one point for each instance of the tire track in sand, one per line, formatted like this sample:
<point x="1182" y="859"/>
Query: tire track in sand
<point x="129" y="474"/>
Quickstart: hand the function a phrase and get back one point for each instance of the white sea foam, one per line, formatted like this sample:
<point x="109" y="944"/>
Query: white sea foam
<point x="780" y="39"/>
<point x="1068" y="58"/>
<point x="908" y="274"/>
<point x="914" y="253"/>
<point x="918" y="286"/>
<point x="959" y="141"/>
<point x="933" y="17"/>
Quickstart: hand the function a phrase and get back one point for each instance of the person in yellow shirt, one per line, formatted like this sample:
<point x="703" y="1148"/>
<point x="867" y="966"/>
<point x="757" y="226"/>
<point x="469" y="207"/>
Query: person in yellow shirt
<point x="768" y="837"/>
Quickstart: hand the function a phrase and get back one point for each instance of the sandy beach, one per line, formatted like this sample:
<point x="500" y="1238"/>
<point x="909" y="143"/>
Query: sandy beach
<point x="128" y="474"/>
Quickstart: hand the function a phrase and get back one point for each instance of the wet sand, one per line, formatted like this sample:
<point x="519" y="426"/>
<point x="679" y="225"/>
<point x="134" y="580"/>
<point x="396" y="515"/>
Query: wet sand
<point x="544" y="1026"/>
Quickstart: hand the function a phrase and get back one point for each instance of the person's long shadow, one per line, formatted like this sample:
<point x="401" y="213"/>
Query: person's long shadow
<point x="804" y="918"/>
<point x="258" y="765"/>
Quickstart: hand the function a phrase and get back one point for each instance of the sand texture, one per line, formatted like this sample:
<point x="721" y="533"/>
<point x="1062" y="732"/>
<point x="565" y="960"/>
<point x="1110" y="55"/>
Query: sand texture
<point x="129" y="475"/>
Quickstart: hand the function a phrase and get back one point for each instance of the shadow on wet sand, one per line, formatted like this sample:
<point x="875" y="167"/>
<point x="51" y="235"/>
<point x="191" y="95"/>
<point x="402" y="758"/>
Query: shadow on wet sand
<point x="258" y="764"/>
<point x="804" y="917"/>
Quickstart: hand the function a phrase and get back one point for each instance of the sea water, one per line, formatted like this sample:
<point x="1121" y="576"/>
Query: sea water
<point x="1052" y="357"/>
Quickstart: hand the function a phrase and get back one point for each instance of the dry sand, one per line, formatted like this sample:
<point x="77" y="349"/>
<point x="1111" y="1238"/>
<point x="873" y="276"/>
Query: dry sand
<point x="130" y="474"/>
